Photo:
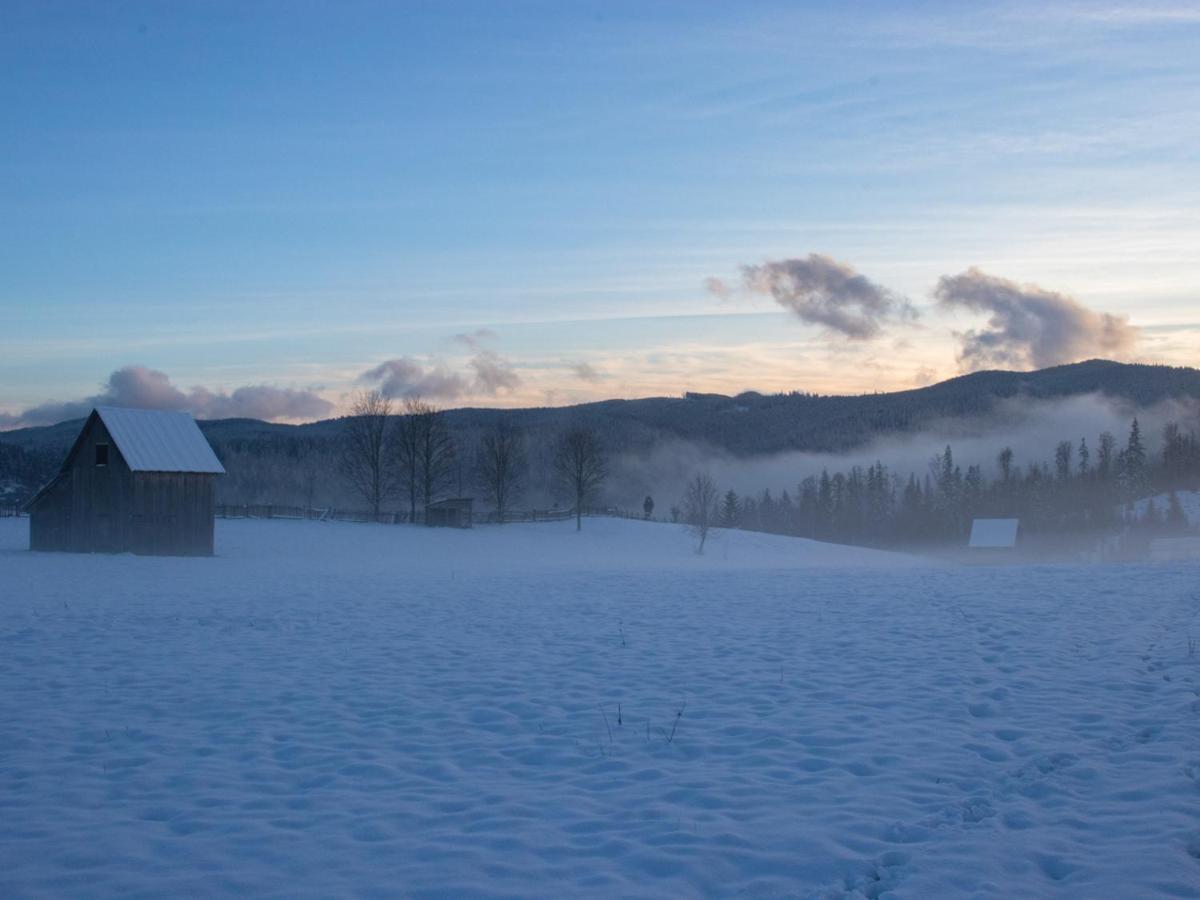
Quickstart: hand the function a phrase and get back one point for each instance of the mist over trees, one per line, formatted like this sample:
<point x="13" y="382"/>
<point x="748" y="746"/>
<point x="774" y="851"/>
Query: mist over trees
<point x="876" y="506"/>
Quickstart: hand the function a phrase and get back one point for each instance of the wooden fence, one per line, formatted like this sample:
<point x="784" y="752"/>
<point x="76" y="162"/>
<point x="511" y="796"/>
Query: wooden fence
<point x="281" y="511"/>
<point x="277" y="511"/>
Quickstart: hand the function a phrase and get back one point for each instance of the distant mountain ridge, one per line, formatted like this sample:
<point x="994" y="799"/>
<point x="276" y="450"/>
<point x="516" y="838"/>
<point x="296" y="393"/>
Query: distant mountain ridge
<point x="746" y="424"/>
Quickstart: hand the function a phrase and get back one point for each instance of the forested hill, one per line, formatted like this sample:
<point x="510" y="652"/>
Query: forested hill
<point x="746" y="425"/>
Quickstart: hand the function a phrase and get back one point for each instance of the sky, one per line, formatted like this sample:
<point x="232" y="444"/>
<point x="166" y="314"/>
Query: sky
<point x="263" y="208"/>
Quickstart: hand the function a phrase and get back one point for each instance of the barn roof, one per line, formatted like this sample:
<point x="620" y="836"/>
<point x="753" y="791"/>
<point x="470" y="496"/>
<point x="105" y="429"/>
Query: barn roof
<point x="158" y="441"/>
<point x="994" y="533"/>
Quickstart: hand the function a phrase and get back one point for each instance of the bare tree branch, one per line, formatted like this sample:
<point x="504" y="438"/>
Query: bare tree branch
<point x="580" y="466"/>
<point x="363" y="454"/>
<point x="500" y="463"/>
<point x="700" y="507"/>
<point x="425" y="454"/>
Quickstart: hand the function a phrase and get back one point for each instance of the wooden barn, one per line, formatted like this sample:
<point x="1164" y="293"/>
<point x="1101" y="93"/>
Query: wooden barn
<point x="135" y="481"/>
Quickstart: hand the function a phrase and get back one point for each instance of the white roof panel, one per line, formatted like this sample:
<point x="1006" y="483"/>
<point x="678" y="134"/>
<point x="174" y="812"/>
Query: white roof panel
<point x="994" y="532"/>
<point x="157" y="441"/>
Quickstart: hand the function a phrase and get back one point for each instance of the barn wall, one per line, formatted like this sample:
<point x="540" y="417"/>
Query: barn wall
<point x="87" y="511"/>
<point x="173" y="513"/>
<point x="100" y="496"/>
<point x="50" y="521"/>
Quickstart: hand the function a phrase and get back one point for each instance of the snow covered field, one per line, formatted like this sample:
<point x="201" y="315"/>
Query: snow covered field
<point x="356" y="710"/>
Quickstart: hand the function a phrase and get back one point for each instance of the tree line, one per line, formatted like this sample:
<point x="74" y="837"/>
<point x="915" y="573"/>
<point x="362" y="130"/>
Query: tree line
<point x="1085" y="488"/>
<point x="409" y="453"/>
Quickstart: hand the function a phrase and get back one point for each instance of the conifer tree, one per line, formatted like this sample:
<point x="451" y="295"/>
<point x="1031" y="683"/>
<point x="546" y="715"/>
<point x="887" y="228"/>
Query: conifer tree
<point x="731" y="510"/>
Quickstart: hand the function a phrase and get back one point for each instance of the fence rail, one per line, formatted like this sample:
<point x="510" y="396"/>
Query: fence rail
<point x="330" y="514"/>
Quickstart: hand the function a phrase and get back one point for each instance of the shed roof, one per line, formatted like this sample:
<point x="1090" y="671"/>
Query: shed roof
<point x="993" y="533"/>
<point x="159" y="441"/>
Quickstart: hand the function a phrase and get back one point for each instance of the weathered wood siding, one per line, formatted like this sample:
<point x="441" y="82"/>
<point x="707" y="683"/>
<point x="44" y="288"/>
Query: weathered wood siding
<point x="173" y="513"/>
<point x="109" y="509"/>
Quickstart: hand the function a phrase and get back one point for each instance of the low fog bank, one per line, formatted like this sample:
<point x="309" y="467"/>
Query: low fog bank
<point x="1031" y="428"/>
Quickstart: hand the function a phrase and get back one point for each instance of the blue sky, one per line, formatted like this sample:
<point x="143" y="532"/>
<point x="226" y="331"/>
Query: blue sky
<point x="289" y="195"/>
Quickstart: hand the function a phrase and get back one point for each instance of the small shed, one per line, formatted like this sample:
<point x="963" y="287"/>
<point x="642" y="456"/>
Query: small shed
<point x="135" y="481"/>
<point x="455" y="512"/>
<point x="994" y="534"/>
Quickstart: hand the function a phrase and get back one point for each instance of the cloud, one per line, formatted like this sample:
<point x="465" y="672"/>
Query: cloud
<point x="46" y="414"/>
<point x="259" y="401"/>
<point x="405" y="377"/>
<point x="821" y="290"/>
<point x="586" y="372"/>
<point x="144" y="388"/>
<point x="1029" y="326"/>
<point x="718" y="288"/>
<point x="924" y="376"/>
<point x="493" y="373"/>
<point x="473" y="339"/>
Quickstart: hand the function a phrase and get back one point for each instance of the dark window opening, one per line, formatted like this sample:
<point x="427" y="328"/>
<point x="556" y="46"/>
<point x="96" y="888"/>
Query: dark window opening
<point x="102" y="454"/>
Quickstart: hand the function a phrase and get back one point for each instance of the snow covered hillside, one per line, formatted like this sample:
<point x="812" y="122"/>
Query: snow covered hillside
<point x="352" y="710"/>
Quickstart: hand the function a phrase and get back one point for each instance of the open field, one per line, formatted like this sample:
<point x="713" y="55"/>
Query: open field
<point x="358" y="710"/>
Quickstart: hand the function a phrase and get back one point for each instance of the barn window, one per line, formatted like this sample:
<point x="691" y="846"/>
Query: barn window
<point x="102" y="454"/>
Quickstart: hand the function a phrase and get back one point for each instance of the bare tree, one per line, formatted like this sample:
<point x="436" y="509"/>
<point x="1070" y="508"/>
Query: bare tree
<point x="500" y="462"/>
<point x="407" y="453"/>
<point x="425" y="454"/>
<point x="363" y="454"/>
<point x="700" y="507"/>
<point x="580" y="466"/>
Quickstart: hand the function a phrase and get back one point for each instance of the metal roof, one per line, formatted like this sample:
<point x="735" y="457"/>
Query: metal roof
<point x="157" y="441"/>
<point x="994" y="533"/>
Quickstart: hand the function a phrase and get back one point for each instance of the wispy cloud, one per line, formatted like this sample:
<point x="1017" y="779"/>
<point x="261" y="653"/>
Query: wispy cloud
<point x="489" y="374"/>
<point x="824" y="291"/>
<point x="474" y="339"/>
<point x="585" y="371"/>
<point x="1128" y="14"/>
<point x="406" y="377"/>
<point x="493" y="373"/>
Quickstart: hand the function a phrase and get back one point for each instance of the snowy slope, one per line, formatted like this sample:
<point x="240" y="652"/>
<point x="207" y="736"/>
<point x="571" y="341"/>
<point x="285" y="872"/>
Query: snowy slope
<point x="352" y="710"/>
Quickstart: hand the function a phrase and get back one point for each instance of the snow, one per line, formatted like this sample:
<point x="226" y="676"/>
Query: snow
<point x="159" y="440"/>
<point x="333" y="709"/>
